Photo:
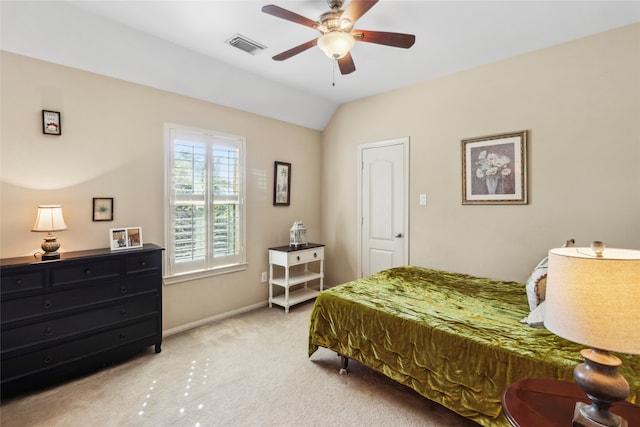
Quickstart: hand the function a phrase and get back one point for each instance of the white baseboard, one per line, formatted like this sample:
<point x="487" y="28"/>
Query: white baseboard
<point x="212" y="319"/>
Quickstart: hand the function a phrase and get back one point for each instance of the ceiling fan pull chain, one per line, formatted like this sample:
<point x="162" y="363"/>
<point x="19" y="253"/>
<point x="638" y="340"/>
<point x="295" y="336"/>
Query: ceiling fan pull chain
<point x="335" y="64"/>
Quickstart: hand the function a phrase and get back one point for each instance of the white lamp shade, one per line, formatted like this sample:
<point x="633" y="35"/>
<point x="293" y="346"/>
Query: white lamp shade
<point x="336" y="44"/>
<point x="49" y="219"/>
<point x="595" y="301"/>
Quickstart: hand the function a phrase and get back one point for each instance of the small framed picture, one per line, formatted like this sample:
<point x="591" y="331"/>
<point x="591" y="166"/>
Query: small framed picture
<point x="494" y="169"/>
<point x="51" y="123"/>
<point x="282" y="184"/>
<point x="103" y="208"/>
<point x="125" y="238"/>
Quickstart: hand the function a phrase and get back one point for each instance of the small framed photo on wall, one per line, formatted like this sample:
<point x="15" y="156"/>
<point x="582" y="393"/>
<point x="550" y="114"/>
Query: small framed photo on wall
<point x="103" y="208"/>
<point x="282" y="184"/>
<point x="51" y="122"/>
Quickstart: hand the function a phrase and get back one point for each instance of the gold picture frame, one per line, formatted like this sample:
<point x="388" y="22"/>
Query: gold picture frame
<point x="494" y="169"/>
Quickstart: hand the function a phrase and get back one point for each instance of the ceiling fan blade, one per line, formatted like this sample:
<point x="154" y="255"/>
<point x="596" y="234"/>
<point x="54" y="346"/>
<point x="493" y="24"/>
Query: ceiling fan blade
<point x="357" y="8"/>
<point x="279" y="12"/>
<point x="296" y="50"/>
<point x="388" y="39"/>
<point x="346" y="64"/>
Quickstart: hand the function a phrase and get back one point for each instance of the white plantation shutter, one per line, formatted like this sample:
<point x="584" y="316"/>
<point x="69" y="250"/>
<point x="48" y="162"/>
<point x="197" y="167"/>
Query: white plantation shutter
<point x="205" y="185"/>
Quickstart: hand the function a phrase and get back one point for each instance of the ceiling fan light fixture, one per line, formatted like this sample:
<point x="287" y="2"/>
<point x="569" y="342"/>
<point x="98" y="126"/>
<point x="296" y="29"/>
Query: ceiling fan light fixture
<point x="336" y="44"/>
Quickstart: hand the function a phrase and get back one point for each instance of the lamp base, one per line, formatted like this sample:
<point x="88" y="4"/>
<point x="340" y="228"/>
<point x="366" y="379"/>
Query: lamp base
<point x="579" y="420"/>
<point x="599" y="378"/>
<point x="50" y="247"/>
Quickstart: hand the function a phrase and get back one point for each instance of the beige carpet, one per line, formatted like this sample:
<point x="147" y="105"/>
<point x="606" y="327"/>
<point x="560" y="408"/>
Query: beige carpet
<point x="249" y="370"/>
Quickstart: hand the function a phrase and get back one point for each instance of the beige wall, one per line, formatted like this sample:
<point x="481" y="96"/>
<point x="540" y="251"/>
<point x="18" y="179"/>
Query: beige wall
<point x="579" y="101"/>
<point x="112" y="145"/>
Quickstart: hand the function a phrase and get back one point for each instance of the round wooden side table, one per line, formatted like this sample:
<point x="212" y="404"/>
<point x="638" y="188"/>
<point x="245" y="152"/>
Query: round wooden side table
<point x="550" y="403"/>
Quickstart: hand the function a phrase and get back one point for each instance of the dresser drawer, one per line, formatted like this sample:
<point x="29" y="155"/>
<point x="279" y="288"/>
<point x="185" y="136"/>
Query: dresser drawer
<point x="55" y="329"/>
<point x="21" y="281"/>
<point x="143" y="263"/>
<point x="14" y="367"/>
<point x="300" y="257"/>
<point x="86" y="271"/>
<point x="53" y="302"/>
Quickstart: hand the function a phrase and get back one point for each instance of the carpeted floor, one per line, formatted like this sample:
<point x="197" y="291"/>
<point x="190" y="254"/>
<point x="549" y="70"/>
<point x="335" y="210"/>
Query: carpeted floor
<point x="249" y="370"/>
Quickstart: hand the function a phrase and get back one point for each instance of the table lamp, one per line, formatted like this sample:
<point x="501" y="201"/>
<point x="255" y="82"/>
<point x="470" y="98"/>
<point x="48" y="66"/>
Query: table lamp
<point x="49" y="219"/>
<point x="592" y="299"/>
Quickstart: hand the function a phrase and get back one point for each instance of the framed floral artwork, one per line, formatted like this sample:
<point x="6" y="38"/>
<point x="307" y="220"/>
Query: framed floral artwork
<point x="282" y="184"/>
<point x="494" y="169"/>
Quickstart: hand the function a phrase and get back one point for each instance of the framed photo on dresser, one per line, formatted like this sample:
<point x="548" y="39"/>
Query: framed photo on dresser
<point x="125" y="238"/>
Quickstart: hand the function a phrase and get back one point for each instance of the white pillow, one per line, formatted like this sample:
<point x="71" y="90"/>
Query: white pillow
<point x="539" y="273"/>
<point x="536" y="317"/>
<point x="537" y="283"/>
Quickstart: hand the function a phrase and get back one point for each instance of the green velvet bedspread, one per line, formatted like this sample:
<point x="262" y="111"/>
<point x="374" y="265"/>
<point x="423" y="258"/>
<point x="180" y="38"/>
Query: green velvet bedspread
<point x="454" y="338"/>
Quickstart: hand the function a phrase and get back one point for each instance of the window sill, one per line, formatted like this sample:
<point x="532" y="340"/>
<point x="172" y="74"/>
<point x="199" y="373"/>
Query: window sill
<point x="194" y="275"/>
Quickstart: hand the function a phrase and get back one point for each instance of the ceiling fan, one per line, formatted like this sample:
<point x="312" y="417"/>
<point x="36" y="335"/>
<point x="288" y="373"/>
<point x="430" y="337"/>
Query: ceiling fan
<point x="338" y="35"/>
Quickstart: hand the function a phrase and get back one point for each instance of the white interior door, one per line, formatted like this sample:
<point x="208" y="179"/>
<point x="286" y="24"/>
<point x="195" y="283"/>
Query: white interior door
<point x="384" y="205"/>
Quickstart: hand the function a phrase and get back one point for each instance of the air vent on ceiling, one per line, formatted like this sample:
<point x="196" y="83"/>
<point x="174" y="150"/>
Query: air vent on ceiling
<point x="243" y="43"/>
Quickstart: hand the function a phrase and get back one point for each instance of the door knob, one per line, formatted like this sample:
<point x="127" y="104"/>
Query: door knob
<point x="398" y="235"/>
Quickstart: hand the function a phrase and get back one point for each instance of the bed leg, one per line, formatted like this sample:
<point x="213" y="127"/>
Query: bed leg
<point x="345" y="363"/>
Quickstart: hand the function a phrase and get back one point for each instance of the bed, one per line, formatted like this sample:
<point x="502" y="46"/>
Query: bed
<point x="453" y="338"/>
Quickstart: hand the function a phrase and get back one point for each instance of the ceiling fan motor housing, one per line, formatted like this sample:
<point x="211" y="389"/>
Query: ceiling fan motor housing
<point x="333" y="21"/>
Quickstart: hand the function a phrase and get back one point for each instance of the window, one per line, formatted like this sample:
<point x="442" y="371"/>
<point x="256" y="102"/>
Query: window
<point x="205" y="203"/>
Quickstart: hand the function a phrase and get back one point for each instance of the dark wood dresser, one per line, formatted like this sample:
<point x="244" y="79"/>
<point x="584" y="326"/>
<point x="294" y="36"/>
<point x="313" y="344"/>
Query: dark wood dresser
<point x="86" y="310"/>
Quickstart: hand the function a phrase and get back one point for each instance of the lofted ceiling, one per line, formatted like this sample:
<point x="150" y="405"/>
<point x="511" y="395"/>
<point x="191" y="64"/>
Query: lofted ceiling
<point x="180" y="45"/>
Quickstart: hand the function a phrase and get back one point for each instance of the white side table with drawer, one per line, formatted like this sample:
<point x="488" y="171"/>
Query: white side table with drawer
<point x="287" y="257"/>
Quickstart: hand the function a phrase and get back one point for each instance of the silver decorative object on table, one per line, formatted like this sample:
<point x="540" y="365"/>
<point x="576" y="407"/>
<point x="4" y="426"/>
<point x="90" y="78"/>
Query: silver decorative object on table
<point x="298" y="234"/>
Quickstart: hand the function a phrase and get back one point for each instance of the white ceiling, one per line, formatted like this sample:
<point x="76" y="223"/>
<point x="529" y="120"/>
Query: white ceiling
<point x="180" y="45"/>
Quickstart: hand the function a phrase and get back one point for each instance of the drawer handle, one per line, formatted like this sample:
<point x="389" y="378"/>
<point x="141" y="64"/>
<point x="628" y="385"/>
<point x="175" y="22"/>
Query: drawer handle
<point x="315" y="255"/>
<point x="46" y="360"/>
<point x="48" y="331"/>
<point x="122" y="335"/>
<point x="123" y="289"/>
<point x="143" y="263"/>
<point x="19" y="281"/>
<point x="123" y="312"/>
<point x="88" y="272"/>
<point x="47" y="304"/>
<point x="298" y="257"/>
